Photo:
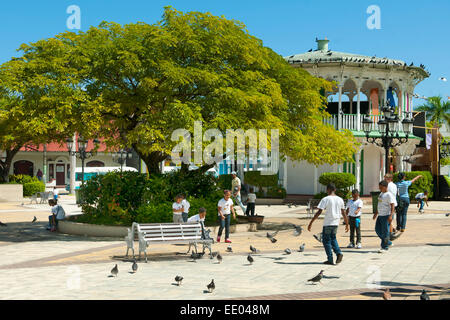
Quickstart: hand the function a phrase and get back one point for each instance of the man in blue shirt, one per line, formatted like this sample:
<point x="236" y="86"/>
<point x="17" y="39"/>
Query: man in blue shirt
<point x="403" y="200"/>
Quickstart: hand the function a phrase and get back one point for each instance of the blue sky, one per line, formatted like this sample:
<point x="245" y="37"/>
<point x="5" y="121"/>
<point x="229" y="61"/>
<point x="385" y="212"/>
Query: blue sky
<point x="412" y="31"/>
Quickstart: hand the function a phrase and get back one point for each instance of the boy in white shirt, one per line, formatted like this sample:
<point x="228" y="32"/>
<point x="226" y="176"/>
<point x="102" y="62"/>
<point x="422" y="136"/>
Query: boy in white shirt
<point x="186" y="206"/>
<point x="422" y="198"/>
<point x="177" y="208"/>
<point x="334" y="207"/>
<point x="225" y="207"/>
<point x="251" y="200"/>
<point x="354" y="207"/>
<point x="385" y="211"/>
<point x="200" y="217"/>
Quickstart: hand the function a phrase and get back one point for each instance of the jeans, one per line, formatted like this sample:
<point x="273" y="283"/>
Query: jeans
<point x="422" y="204"/>
<point x="382" y="231"/>
<point x="224" y="224"/>
<point x="402" y="210"/>
<point x="50" y="221"/>
<point x="184" y="215"/>
<point x="239" y="202"/>
<point x="250" y="208"/>
<point x="329" y="241"/>
<point x="355" y="225"/>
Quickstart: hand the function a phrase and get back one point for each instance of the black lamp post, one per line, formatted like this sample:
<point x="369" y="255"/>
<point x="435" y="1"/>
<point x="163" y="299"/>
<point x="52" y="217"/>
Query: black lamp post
<point x="121" y="157"/>
<point x="82" y="153"/>
<point x="388" y="128"/>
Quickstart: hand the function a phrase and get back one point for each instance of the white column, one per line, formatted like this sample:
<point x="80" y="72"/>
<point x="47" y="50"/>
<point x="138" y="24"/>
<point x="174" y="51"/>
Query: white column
<point x="285" y="174"/>
<point x="385" y="88"/>
<point x="73" y="165"/>
<point x="358" y="110"/>
<point x="340" y="108"/>
<point x="316" y="178"/>
<point x="358" y="169"/>
<point x="400" y="163"/>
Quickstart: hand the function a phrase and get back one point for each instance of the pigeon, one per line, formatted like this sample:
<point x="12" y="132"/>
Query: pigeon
<point x="386" y="294"/>
<point x="290" y="205"/>
<point x="268" y="205"/>
<point x="196" y="256"/>
<point x="219" y="258"/>
<point x="178" y="279"/>
<point x="229" y="249"/>
<point x="253" y="249"/>
<point x="424" y="295"/>
<point x="301" y="248"/>
<point x="250" y="259"/>
<point x="273" y="240"/>
<point x="298" y="230"/>
<point x="447" y="214"/>
<point x="318" y="277"/>
<point x="2" y="224"/>
<point x="134" y="267"/>
<point x="412" y="63"/>
<point x="211" y="286"/>
<point x="34" y="220"/>
<point x="115" y="271"/>
<point x="287" y="251"/>
<point x="443" y="79"/>
<point x="309" y="50"/>
<point x="318" y="237"/>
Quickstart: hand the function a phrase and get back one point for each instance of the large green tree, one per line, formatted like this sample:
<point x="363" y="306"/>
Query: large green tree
<point x="437" y="111"/>
<point x="36" y="100"/>
<point x="140" y="82"/>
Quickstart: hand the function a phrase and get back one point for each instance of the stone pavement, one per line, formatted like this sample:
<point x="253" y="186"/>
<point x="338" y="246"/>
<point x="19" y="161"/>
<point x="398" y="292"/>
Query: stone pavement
<point x="37" y="264"/>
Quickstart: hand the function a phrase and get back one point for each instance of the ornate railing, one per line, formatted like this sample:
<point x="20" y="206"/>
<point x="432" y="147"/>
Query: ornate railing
<point x="350" y="121"/>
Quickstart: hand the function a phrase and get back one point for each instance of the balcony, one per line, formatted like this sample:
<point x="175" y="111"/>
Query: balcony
<point x="350" y="121"/>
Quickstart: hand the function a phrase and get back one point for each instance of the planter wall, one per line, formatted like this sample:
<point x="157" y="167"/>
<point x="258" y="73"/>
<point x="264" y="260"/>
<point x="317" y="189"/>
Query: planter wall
<point x="91" y="230"/>
<point x="11" y="192"/>
<point x="266" y="201"/>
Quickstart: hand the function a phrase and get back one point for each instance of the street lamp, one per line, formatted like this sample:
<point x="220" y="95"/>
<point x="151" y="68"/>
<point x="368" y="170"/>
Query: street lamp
<point x="388" y="128"/>
<point x="82" y="152"/>
<point x="121" y="157"/>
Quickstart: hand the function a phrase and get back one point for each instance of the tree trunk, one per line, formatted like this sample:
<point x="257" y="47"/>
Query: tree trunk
<point x="6" y="165"/>
<point x="152" y="160"/>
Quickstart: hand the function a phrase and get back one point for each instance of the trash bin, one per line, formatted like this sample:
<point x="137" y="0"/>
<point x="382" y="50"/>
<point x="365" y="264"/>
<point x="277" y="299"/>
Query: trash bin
<point x="77" y="196"/>
<point x="375" y="195"/>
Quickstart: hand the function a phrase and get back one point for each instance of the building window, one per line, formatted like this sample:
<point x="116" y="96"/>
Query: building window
<point x="95" y="163"/>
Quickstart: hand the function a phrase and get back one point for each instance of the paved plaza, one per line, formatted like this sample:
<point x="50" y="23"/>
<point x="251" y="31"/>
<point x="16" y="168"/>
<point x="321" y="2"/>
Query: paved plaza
<point x="37" y="264"/>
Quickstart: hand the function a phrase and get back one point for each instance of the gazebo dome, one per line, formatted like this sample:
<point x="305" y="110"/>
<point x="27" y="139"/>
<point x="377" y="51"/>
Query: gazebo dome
<point x="323" y="56"/>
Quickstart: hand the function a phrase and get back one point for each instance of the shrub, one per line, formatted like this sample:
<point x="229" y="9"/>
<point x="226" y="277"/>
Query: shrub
<point x="255" y="178"/>
<point x="343" y="181"/>
<point x="30" y="188"/>
<point x="424" y="183"/>
<point x="320" y="195"/>
<point x="22" y="178"/>
<point x="224" y="181"/>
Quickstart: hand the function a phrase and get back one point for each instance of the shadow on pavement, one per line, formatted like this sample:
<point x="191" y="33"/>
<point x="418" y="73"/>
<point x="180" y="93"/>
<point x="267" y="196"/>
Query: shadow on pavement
<point x="17" y="232"/>
<point x="438" y="244"/>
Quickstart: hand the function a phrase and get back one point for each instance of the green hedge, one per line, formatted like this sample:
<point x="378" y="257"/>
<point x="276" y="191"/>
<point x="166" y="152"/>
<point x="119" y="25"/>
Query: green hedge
<point x="119" y="198"/>
<point x="31" y="185"/>
<point x="424" y="183"/>
<point x="255" y="178"/>
<point x="342" y="180"/>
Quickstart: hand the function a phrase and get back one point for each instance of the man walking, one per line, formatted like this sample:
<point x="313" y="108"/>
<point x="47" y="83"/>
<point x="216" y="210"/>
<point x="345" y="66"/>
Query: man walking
<point x="334" y="207"/>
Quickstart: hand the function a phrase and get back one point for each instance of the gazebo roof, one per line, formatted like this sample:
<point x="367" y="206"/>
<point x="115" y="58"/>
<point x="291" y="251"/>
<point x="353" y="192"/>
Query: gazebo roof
<point x="322" y="56"/>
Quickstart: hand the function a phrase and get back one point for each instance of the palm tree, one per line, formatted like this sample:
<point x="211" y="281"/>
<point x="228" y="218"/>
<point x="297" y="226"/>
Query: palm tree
<point x="437" y="111"/>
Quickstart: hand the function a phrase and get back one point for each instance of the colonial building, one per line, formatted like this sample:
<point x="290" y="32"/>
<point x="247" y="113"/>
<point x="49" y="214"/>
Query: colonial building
<point x="368" y="83"/>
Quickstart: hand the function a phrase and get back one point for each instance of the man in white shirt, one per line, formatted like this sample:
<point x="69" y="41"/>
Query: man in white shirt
<point x="225" y="207"/>
<point x="186" y="206"/>
<point x="236" y="187"/>
<point x="334" y="208"/>
<point x="385" y="211"/>
<point x="392" y="188"/>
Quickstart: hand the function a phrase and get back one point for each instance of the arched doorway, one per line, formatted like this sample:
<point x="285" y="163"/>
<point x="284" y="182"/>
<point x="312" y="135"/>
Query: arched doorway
<point x="24" y="167"/>
<point x="95" y="163"/>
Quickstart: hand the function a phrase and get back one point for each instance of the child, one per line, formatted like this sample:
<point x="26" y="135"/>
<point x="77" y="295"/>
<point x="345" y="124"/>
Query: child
<point x="200" y="217"/>
<point x="55" y="193"/>
<point x="422" y="198"/>
<point x="385" y="210"/>
<point x="58" y="213"/>
<point x="354" y="207"/>
<point x="225" y="207"/>
<point x="177" y="208"/>
<point x="186" y="207"/>
<point x="251" y="199"/>
<point x="334" y="207"/>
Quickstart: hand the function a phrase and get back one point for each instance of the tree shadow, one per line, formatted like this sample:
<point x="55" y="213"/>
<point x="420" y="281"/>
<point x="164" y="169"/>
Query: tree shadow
<point x="438" y="244"/>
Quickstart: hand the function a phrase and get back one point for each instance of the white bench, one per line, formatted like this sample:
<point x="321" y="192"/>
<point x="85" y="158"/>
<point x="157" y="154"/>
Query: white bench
<point x="167" y="232"/>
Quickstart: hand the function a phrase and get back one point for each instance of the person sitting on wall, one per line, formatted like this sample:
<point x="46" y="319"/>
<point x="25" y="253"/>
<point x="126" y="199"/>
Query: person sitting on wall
<point x="58" y="214"/>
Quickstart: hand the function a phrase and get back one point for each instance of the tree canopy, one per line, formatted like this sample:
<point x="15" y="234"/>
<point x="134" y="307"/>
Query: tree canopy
<point x="135" y="84"/>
